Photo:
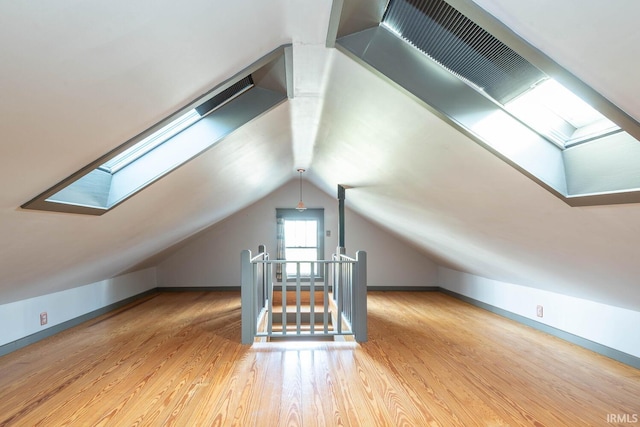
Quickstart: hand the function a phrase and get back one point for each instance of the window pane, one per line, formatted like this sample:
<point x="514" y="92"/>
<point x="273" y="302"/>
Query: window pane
<point x="301" y="233"/>
<point x="300" y="254"/>
<point x="553" y="110"/>
<point x="301" y="244"/>
<point x="297" y="254"/>
<point x="149" y="143"/>
<point x="311" y="233"/>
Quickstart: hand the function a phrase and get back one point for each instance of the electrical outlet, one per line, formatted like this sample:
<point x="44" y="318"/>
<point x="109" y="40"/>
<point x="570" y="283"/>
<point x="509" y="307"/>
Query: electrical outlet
<point x="539" y="311"/>
<point x="43" y="318"/>
<point x="328" y="233"/>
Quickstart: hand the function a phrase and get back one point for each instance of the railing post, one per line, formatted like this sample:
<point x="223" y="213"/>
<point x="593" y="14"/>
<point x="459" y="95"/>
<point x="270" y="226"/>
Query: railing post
<point x="262" y="280"/>
<point x="338" y="273"/>
<point x="269" y="299"/>
<point x="359" y="320"/>
<point x="247" y="299"/>
<point x="312" y="299"/>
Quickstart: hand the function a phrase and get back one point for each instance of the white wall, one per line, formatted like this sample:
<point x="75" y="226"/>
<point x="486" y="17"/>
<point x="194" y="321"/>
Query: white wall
<point x="24" y="316"/>
<point x="212" y="258"/>
<point x="604" y="324"/>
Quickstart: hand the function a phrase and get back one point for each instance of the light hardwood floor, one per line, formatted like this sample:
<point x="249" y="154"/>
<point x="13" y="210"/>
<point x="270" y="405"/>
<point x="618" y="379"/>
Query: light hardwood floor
<point x="431" y="360"/>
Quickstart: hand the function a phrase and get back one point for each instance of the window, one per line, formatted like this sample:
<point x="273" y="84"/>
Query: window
<point x="149" y="143"/>
<point x="496" y="92"/>
<point x="465" y="49"/>
<point x="165" y="133"/>
<point x="145" y="158"/>
<point x="302" y="239"/>
<point x="557" y="113"/>
<point x="300" y="244"/>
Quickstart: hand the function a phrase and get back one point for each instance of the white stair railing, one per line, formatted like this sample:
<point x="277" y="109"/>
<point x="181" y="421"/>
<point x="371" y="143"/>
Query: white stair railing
<point x="342" y="286"/>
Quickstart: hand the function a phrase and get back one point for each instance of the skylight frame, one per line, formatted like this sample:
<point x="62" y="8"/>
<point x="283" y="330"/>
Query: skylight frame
<point x="601" y="172"/>
<point x="175" y="126"/>
<point x="148" y="159"/>
<point x="560" y="115"/>
<point x="151" y="142"/>
<point x="96" y="189"/>
<point x="474" y="48"/>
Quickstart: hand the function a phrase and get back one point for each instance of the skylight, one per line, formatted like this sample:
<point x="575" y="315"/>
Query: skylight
<point x="495" y="92"/>
<point x="205" y="121"/>
<point x="559" y="114"/>
<point x="149" y="143"/>
<point x="467" y="50"/>
<point x="170" y="130"/>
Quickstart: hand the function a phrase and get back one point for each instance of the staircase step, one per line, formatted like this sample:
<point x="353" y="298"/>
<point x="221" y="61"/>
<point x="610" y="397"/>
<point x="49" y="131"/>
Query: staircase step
<point x="305" y="297"/>
<point x="302" y="338"/>
<point x="305" y="318"/>
<point x="305" y="308"/>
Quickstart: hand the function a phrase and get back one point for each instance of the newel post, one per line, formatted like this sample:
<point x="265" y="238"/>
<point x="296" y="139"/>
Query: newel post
<point x="360" y="297"/>
<point x="247" y="299"/>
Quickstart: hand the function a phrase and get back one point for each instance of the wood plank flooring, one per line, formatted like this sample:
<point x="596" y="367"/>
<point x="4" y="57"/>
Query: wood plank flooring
<point x="431" y="360"/>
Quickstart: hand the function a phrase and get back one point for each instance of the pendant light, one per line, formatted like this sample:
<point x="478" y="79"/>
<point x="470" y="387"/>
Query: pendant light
<point x="301" y="207"/>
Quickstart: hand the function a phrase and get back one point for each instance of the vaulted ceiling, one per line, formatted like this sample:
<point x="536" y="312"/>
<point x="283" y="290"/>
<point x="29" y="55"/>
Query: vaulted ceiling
<point x="80" y="78"/>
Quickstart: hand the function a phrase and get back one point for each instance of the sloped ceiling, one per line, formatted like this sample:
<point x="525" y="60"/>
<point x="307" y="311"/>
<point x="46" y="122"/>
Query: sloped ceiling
<point x="597" y="43"/>
<point x="80" y="78"/>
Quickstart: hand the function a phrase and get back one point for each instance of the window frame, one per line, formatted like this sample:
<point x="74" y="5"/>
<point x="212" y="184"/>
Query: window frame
<point x="443" y="32"/>
<point x="96" y="189"/>
<point x="316" y="214"/>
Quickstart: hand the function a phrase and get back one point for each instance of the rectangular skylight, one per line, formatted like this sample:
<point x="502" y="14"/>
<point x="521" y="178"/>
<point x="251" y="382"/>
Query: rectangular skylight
<point x="467" y="50"/>
<point x="157" y="138"/>
<point x="176" y="126"/>
<point x="558" y="113"/>
<point x="205" y="121"/>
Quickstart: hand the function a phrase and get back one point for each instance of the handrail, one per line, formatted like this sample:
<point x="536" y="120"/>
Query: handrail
<point x="343" y="257"/>
<point x="342" y="284"/>
<point x="318" y="261"/>
<point x="263" y="255"/>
